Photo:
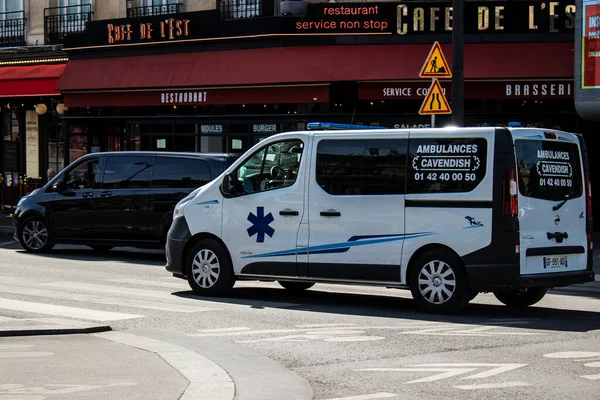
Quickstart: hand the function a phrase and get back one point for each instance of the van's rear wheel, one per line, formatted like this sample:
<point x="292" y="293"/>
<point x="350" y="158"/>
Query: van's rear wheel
<point x="209" y="269"/>
<point x="438" y="283"/>
<point x="296" y="287"/>
<point x="521" y="299"/>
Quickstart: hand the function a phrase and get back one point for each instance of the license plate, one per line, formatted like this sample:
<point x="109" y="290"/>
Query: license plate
<point x="555" y="262"/>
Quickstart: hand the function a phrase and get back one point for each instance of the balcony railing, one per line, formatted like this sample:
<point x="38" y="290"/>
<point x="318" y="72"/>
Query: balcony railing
<point x="12" y="28"/>
<point x="236" y="9"/>
<point x="133" y="12"/>
<point x="58" y="21"/>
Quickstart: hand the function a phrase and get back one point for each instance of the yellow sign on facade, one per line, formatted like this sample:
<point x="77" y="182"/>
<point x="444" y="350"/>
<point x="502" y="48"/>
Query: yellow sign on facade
<point x="435" y="102"/>
<point x="435" y="65"/>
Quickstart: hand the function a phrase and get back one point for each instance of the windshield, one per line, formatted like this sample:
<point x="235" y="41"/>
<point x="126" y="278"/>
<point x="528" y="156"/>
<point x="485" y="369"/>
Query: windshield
<point x="549" y="170"/>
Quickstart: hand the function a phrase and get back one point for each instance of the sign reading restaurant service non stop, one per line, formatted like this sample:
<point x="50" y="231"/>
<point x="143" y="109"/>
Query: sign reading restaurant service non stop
<point x="435" y="67"/>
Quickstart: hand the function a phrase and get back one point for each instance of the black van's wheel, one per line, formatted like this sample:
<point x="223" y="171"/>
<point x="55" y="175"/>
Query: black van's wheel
<point x="296" y="286"/>
<point x="438" y="283"/>
<point x="209" y="269"/>
<point x="35" y="236"/>
<point x="521" y="299"/>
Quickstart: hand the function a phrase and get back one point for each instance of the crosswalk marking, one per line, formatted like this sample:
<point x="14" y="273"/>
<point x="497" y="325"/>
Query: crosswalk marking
<point x="174" y="284"/>
<point x="32" y="291"/>
<point x="87" y="287"/>
<point x="63" y="311"/>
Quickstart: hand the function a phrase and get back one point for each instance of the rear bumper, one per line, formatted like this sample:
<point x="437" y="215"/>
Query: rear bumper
<point x="507" y="277"/>
<point x="177" y="238"/>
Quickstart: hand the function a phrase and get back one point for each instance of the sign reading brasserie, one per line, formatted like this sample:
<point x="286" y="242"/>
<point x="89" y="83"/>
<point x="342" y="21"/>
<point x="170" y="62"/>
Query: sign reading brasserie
<point x="405" y="19"/>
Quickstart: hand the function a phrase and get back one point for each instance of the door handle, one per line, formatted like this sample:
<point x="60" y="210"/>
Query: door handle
<point x="558" y="236"/>
<point x="105" y="194"/>
<point x="87" y="195"/>
<point x="288" y="212"/>
<point x="331" y="213"/>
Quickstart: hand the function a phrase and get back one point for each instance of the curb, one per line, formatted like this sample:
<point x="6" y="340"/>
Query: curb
<point x="207" y="380"/>
<point x="48" y="331"/>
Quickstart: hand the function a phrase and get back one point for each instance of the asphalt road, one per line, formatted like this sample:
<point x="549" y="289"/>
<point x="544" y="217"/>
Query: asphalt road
<point x="348" y="342"/>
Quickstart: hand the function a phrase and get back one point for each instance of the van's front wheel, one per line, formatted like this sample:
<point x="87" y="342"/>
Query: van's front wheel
<point x="438" y="283"/>
<point x="209" y="269"/>
<point x="521" y="299"/>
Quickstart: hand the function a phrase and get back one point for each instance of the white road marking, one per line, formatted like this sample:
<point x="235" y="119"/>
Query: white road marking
<point x="592" y="377"/>
<point x="492" y="385"/>
<point x="354" y="339"/>
<point x="593" y="364"/>
<point x="454" y="330"/>
<point x="10" y="351"/>
<point x="224" y="330"/>
<point x="381" y="395"/>
<point x="573" y="354"/>
<point x="63" y="311"/>
<point x="81" y="286"/>
<point x="323" y="325"/>
<point x="450" y="370"/>
<point x="90" y="298"/>
<point x="172" y="284"/>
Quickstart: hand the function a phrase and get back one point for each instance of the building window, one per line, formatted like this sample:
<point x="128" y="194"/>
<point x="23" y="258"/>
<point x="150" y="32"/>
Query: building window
<point x="70" y="16"/>
<point x="236" y="9"/>
<point x="12" y="23"/>
<point x="144" y="8"/>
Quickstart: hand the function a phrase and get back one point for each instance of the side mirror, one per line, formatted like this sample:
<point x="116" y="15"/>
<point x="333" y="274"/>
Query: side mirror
<point x="229" y="187"/>
<point x="62" y="188"/>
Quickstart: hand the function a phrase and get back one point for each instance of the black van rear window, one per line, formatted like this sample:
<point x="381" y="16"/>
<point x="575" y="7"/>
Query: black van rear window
<point x="549" y="170"/>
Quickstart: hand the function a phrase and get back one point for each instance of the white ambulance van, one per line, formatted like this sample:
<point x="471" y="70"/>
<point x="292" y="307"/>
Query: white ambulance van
<point x="447" y="213"/>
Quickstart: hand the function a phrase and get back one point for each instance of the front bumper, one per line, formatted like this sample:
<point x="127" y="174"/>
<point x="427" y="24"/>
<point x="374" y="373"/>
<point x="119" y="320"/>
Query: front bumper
<point x="177" y="238"/>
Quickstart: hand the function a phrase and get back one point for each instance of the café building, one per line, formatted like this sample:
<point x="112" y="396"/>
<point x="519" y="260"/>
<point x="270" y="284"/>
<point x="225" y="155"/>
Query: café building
<point x="203" y="81"/>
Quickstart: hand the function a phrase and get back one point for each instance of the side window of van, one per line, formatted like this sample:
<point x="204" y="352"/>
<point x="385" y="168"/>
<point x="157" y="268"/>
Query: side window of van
<point x="83" y="176"/>
<point x="440" y="165"/>
<point x="274" y="166"/>
<point x="362" y="166"/>
<point x="123" y="172"/>
<point x="179" y="172"/>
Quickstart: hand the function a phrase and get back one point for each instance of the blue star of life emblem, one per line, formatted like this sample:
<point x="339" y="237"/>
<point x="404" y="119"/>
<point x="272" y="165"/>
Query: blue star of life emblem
<point x="260" y="224"/>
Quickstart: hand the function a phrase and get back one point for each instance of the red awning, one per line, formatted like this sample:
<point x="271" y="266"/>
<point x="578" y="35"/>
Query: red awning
<point x="312" y="64"/>
<point x="34" y="80"/>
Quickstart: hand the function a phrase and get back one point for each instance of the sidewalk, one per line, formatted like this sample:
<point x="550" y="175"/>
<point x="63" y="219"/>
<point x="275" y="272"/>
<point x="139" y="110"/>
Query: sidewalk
<point x="77" y="360"/>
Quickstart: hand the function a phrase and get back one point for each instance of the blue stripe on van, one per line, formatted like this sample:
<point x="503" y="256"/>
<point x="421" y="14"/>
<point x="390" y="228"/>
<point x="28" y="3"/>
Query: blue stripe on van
<point x="344" y="246"/>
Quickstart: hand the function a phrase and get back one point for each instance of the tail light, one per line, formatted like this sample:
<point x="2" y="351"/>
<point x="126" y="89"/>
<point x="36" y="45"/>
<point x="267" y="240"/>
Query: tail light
<point x="588" y="210"/>
<point x="511" y="201"/>
<point x="510" y="207"/>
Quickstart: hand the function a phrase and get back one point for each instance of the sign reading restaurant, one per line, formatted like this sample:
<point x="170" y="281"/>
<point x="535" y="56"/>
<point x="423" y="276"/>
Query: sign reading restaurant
<point x="406" y="19"/>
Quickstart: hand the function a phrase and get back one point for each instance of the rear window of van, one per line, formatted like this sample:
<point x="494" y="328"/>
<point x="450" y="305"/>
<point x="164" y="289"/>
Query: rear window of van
<point x="548" y="169"/>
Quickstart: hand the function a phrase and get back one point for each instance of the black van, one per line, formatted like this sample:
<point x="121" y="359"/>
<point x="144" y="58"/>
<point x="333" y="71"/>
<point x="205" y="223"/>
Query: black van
<point x="113" y="199"/>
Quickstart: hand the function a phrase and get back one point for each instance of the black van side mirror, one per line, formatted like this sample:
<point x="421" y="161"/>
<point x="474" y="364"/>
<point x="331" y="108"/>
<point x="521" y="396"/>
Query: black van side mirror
<point x="62" y="188"/>
<point x="229" y="187"/>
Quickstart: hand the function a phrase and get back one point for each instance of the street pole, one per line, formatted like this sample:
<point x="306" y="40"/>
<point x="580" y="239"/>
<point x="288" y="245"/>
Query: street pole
<point x="458" y="73"/>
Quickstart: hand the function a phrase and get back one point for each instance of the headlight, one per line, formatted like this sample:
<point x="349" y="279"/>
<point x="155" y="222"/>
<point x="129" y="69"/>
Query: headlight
<point x="178" y="211"/>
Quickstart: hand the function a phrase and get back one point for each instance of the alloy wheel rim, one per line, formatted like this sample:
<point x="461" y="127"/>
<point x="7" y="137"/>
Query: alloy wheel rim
<point x="206" y="268"/>
<point x="437" y="282"/>
<point x="35" y="235"/>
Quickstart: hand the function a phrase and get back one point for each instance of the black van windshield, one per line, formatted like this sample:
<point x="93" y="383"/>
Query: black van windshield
<point x="549" y="170"/>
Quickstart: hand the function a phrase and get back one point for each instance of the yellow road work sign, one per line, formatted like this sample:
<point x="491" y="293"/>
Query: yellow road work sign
<point x="435" y="65"/>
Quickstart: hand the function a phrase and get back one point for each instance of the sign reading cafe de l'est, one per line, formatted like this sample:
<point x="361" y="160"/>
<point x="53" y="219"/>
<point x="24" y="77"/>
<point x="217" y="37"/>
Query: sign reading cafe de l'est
<point x="169" y="29"/>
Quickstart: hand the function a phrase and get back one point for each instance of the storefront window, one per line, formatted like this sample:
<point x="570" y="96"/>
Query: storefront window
<point x="78" y="142"/>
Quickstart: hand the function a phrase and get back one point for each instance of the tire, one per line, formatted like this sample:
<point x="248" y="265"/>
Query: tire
<point x="209" y="269"/>
<point x="296" y="287"/>
<point x="34" y="235"/>
<point x="518" y="299"/>
<point x="438" y="283"/>
<point x="100" y="248"/>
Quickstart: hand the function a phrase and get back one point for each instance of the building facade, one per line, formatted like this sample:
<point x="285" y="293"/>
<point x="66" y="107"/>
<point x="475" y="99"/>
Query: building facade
<point x="218" y="76"/>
